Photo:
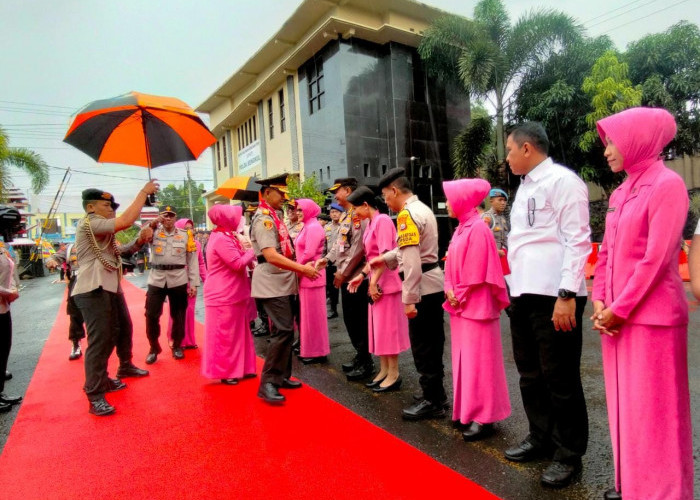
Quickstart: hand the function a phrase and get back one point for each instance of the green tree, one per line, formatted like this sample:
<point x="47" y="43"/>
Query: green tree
<point x="308" y="188"/>
<point x="489" y="56"/>
<point x="22" y="158"/>
<point x="667" y="66"/>
<point x="126" y="235"/>
<point x="179" y="198"/>
<point x="610" y="91"/>
<point x="472" y="150"/>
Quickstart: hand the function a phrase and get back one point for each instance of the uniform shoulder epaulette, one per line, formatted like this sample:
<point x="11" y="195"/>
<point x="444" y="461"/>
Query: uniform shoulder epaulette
<point x="265" y="211"/>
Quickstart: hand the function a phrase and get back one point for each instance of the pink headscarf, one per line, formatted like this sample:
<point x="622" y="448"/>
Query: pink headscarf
<point x="181" y="223"/>
<point x="309" y="209"/>
<point x="465" y="195"/>
<point x="640" y="135"/>
<point x="226" y="217"/>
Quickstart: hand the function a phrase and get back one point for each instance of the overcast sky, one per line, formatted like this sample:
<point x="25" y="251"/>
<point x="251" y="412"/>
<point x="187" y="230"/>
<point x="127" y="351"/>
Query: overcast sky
<point x="58" y="55"/>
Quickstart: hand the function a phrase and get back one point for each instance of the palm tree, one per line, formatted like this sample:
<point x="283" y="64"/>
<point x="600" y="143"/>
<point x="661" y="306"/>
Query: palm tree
<point x="22" y="158"/>
<point x="489" y="56"/>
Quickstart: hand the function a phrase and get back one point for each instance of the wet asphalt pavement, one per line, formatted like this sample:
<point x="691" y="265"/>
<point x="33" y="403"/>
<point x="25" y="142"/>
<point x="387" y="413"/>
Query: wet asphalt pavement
<point x="33" y="315"/>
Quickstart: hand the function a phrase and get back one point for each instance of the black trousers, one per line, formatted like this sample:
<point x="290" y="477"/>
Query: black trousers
<point x="262" y="314"/>
<point x="76" y="330"/>
<point x="355" y="312"/>
<point x="278" y="361"/>
<point x="108" y="325"/>
<point x="427" y="334"/>
<point x="549" y="365"/>
<point x="5" y="345"/>
<point x="177" y="298"/>
<point x="332" y="292"/>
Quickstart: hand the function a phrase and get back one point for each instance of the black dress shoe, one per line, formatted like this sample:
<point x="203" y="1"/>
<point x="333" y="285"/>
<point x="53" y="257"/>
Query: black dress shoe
<point x="524" y="452"/>
<point x="418" y="396"/>
<point x="374" y="383"/>
<point x="229" y="381"/>
<point x="4" y="407"/>
<point x="100" y="407"/>
<point x="249" y="375"/>
<point x="151" y="358"/>
<point x="424" y="409"/>
<point x="476" y="431"/>
<point x="193" y="346"/>
<point x="177" y="353"/>
<point x="8" y="375"/>
<point x="333" y="314"/>
<point x="612" y="494"/>
<point x="348" y="367"/>
<point x="9" y="400"/>
<point x="270" y="394"/>
<point x="115" y="384"/>
<point x="313" y="361"/>
<point x="288" y="383"/>
<point x="127" y="370"/>
<point x="389" y="388"/>
<point x="361" y="372"/>
<point x="75" y="351"/>
<point x="559" y="474"/>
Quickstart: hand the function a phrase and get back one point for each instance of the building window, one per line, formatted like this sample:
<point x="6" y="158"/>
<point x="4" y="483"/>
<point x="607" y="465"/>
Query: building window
<point x="255" y="129"/>
<point x="328" y="169"/>
<point x="314" y="74"/>
<point x="383" y="169"/>
<point x="366" y="169"/>
<point x="283" y="124"/>
<point x="218" y="155"/>
<point x="223" y="149"/>
<point x="247" y="133"/>
<point x="269" y="118"/>
<point x="320" y="174"/>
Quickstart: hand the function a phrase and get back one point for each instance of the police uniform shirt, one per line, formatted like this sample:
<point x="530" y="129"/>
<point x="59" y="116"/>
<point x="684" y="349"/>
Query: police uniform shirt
<point x="93" y="274"/>
<point x="499" y="226"/>
<point x="269" y="280"/>
<point x="61" y="256"/>
<point x="8" y="277"/>
<point x="332" y="229"/>
<point x="417" y="239"/>
<point x="171" y="249"/>
<point x="347" y="253"/>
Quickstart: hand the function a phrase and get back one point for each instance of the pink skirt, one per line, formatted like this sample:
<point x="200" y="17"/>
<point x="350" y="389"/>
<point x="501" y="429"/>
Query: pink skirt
<point x="478" y="374"/>
<point x="387" y="326"/>
<point x="313" y="327"/>
<point x="646" y="387"/>
<point x="229" y="351"/>
<point x="189" y="339"/>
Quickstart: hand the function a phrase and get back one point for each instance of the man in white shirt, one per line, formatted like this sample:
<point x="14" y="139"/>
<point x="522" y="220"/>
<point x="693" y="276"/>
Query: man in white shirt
<point x="548" y="246"/>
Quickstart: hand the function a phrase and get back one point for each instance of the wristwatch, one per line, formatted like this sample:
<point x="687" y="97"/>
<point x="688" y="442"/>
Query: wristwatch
<point x="566" y="294"/>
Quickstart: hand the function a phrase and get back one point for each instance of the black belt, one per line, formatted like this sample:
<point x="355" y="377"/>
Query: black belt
<point x="424" y="268"/>
<point x="261" y="259"/>
<point x="167" y="267"/>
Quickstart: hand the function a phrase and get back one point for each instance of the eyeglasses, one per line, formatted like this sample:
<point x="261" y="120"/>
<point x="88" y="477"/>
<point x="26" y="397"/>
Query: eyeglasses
<point x="530" y="211"/>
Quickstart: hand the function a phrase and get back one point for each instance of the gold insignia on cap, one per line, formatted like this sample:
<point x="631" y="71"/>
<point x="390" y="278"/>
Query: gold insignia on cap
<point x="334" y="187"/>
<point x="107" y="196"/>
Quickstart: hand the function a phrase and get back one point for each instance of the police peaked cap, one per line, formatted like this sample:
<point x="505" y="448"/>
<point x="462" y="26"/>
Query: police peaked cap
<point x="278" y="182"/>
<point x="167" y="210"/>
<point x="93" y="194"/>
<point x="350" y="182"/>
<point x="391" y="176"/>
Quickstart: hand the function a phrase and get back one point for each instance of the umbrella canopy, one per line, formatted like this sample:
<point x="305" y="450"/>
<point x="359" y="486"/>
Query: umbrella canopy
<point x="240" y="188"/>
<point x="139" y="129"/>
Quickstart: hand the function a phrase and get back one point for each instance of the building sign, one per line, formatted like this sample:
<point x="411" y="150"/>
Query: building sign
<point x="249" y="157"/>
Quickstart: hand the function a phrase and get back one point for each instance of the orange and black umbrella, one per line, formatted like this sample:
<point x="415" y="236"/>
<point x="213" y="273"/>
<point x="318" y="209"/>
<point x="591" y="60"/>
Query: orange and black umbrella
<point x="139" y="129"/>
<point x="240" y="188"/>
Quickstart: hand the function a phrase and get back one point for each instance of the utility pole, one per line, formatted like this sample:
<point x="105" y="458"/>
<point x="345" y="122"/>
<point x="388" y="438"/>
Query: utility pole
<point x="189" y="192"/>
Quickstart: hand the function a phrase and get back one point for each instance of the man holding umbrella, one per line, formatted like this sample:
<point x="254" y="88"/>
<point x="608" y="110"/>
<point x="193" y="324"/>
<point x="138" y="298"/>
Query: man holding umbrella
<point x="98" y="293"/>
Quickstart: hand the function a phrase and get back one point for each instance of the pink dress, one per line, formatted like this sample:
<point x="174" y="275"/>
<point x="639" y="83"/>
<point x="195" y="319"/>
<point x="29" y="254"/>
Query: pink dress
<point x="474" y="274"/>
<point x="313" y="327"/>
<point x="229" y="351"/>
<point x="189" y="340"/>
<point x="387" y="324"/>
<point x="646" y="363"/>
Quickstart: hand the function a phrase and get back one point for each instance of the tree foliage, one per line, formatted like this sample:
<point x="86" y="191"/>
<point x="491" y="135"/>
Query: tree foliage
<point x="610" y="91"/>
<point x="308" y="188"/>
<point x="178" y="197"/>
<point x="126" y="235"/>
<point x="472" y="150"/>
<point x="24" y="159"/>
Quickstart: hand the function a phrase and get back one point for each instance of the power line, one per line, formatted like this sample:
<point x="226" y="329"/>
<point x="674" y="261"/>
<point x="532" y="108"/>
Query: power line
<point x="605" y="14"/>
<point x="38" y="105"/>
<point x="643" y="17"/>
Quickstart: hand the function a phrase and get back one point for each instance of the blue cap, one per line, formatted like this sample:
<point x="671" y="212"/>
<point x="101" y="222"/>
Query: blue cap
<point x="335" y="206"/>
<point x="497" y="192"/>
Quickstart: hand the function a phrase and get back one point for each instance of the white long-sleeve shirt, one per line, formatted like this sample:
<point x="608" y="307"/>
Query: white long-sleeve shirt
<point x="550" y="236"/>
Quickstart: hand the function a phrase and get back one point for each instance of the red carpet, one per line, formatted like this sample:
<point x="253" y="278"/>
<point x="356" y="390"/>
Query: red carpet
<point x="177" y="435"/>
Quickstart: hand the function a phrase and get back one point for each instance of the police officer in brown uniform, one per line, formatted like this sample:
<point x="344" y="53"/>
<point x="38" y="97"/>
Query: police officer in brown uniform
<point x="275" y="286"/>
<point x="174" y="273"/>
<point x="348" y="256"/>
<point x="423" y="289"/>
<point x="98" y="292"/>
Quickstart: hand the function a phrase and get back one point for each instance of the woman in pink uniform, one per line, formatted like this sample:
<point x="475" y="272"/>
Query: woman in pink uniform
<point x="189" y="341"/>
<point x="229" y="351"/>
<point x="313" y="322"/>
<point x="476" y="294"/>
<point x="387" y="325"/>
<point x="640" y="308"/>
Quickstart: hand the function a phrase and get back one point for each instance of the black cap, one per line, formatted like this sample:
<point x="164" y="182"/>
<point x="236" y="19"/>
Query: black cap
<point x="391" y="176"/>
<point x="167" y="209"/>
<point x="350" y="182"/>
<point x="361" y="195"/>
<point x="278" y="182"/>
<point x="93" y="194"/>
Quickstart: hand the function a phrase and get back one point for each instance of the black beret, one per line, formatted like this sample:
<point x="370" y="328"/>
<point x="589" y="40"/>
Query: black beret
<point x="391" y="176"/>
<point x="93" y="194"/>
<point x="361" y="195"/>
<point x="350" y="182"/>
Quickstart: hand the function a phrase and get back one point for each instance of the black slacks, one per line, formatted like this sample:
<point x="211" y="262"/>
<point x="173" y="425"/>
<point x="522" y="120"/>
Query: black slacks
<point x="278" y="361"/>
<point x="549" y="365"/>
<point x="5" y="345"/>
<point x="76" y="330"/>
<point x="355" y="313"/>
<point x="332" y="292"/>
<point x="108" y="325"/>
<point x="427" y="334"/>
<point x="177" y="298"/>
